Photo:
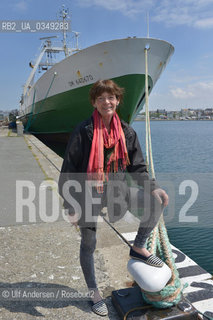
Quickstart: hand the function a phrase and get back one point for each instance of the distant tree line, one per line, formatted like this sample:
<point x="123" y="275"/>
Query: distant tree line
<point x="13" y="114"/>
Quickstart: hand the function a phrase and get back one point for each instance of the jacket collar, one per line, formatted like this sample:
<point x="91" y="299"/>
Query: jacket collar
<point x="127" y="129"/>
<point x="89" y="128"/>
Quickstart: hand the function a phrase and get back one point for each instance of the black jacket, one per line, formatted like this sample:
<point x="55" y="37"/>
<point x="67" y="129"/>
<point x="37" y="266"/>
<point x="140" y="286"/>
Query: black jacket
<point x="77" y="157"/>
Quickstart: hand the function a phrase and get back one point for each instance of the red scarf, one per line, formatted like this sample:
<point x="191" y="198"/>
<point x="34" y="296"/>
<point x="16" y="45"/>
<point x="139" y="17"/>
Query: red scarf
<point x="101" y="139"/>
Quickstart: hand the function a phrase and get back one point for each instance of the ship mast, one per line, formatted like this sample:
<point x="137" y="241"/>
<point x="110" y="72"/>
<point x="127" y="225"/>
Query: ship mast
<point x="47" y="50"/>
<point x="64" y="13"/>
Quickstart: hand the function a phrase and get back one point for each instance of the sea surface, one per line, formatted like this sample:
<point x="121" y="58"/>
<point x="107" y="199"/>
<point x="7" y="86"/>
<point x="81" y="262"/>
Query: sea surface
<point x="183" y="162"/>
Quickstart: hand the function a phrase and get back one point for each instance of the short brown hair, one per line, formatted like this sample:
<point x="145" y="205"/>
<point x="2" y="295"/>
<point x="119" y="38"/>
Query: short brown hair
<point x="102" y="86"/>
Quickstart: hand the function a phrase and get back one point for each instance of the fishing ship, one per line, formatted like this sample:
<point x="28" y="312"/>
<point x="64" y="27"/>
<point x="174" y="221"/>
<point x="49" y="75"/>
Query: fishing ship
<point x="58" y="100"/>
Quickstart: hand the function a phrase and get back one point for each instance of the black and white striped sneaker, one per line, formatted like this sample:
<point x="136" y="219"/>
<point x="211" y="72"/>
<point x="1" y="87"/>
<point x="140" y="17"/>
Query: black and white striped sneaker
<point x="100" y="308"/>
<point x="151" y="260"/>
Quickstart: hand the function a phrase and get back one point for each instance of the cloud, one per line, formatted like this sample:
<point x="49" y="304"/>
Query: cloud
<point x="126" y="7"/>
<point x="195" y="95"/>
<point x="193" y="13"/>
<point x="204" y="23"/>
<point x="196" y="90"/>
<point x="181" y="93"/>
<point x="21" y="6"/>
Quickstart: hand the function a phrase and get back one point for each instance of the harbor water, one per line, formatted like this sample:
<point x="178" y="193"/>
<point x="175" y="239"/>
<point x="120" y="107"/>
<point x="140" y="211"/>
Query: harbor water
<point x="183" y="153"/>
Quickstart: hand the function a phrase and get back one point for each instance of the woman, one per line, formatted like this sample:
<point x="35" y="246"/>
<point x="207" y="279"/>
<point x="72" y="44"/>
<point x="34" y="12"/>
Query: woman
<point x="100" y="147"/>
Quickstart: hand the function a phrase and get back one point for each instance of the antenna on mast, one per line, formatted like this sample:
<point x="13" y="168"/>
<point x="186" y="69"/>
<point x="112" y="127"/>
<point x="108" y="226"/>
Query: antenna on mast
<point x="76" y="37"/>
<point x="147" y="21"/>
<point x="64" y="15"/>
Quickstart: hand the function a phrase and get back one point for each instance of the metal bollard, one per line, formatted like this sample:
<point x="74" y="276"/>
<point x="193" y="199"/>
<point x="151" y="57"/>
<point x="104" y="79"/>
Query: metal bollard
<point x="20" y="128"/>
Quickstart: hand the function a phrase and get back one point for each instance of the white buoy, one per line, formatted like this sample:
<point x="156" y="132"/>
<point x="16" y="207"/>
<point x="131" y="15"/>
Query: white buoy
<point x="149" y="278"/>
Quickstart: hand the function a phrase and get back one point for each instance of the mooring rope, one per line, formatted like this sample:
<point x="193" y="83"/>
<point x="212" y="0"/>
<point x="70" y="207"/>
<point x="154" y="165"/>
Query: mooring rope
<point x="158" y="241"/>
<point x="149" y="157"/>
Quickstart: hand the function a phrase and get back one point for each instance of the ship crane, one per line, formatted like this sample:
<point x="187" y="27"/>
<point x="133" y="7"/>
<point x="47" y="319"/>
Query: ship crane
<point x="48" y="49"/>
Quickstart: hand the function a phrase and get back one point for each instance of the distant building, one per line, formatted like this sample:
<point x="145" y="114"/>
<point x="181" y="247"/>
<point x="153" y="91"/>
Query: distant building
<point x="161" y="111"/>
<point x="199" y="114"/>
<point x="185" y="112"/>
<point x="162" y="116"/>
<point x="192" y="113"/>
<point x="170" y="115"/>
<point x="208" y="112"/>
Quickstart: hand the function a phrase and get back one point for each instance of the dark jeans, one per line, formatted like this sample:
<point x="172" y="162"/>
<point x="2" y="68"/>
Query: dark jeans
<point x="152" y="211"/>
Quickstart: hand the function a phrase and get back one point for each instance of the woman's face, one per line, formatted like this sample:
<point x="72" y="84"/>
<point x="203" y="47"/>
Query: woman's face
<point x="106" y="105"/>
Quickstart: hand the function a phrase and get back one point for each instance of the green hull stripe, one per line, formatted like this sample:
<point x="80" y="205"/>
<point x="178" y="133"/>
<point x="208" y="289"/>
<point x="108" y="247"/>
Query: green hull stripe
<point x="62" y="112"/>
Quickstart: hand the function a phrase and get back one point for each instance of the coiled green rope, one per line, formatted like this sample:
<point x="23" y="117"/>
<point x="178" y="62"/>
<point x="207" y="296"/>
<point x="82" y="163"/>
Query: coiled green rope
<point x="171" y="294"/>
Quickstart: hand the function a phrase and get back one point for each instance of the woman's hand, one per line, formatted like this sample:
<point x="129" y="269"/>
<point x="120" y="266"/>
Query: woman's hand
<point x="73" y="219"/>
<point x="161" y="196"/>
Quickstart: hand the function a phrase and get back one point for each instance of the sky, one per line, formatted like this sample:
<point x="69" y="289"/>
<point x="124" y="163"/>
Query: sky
<point x="187" y="82"/>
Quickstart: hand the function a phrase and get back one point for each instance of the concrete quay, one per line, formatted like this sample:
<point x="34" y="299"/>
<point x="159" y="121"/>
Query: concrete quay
<point x="41" y="257"/>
